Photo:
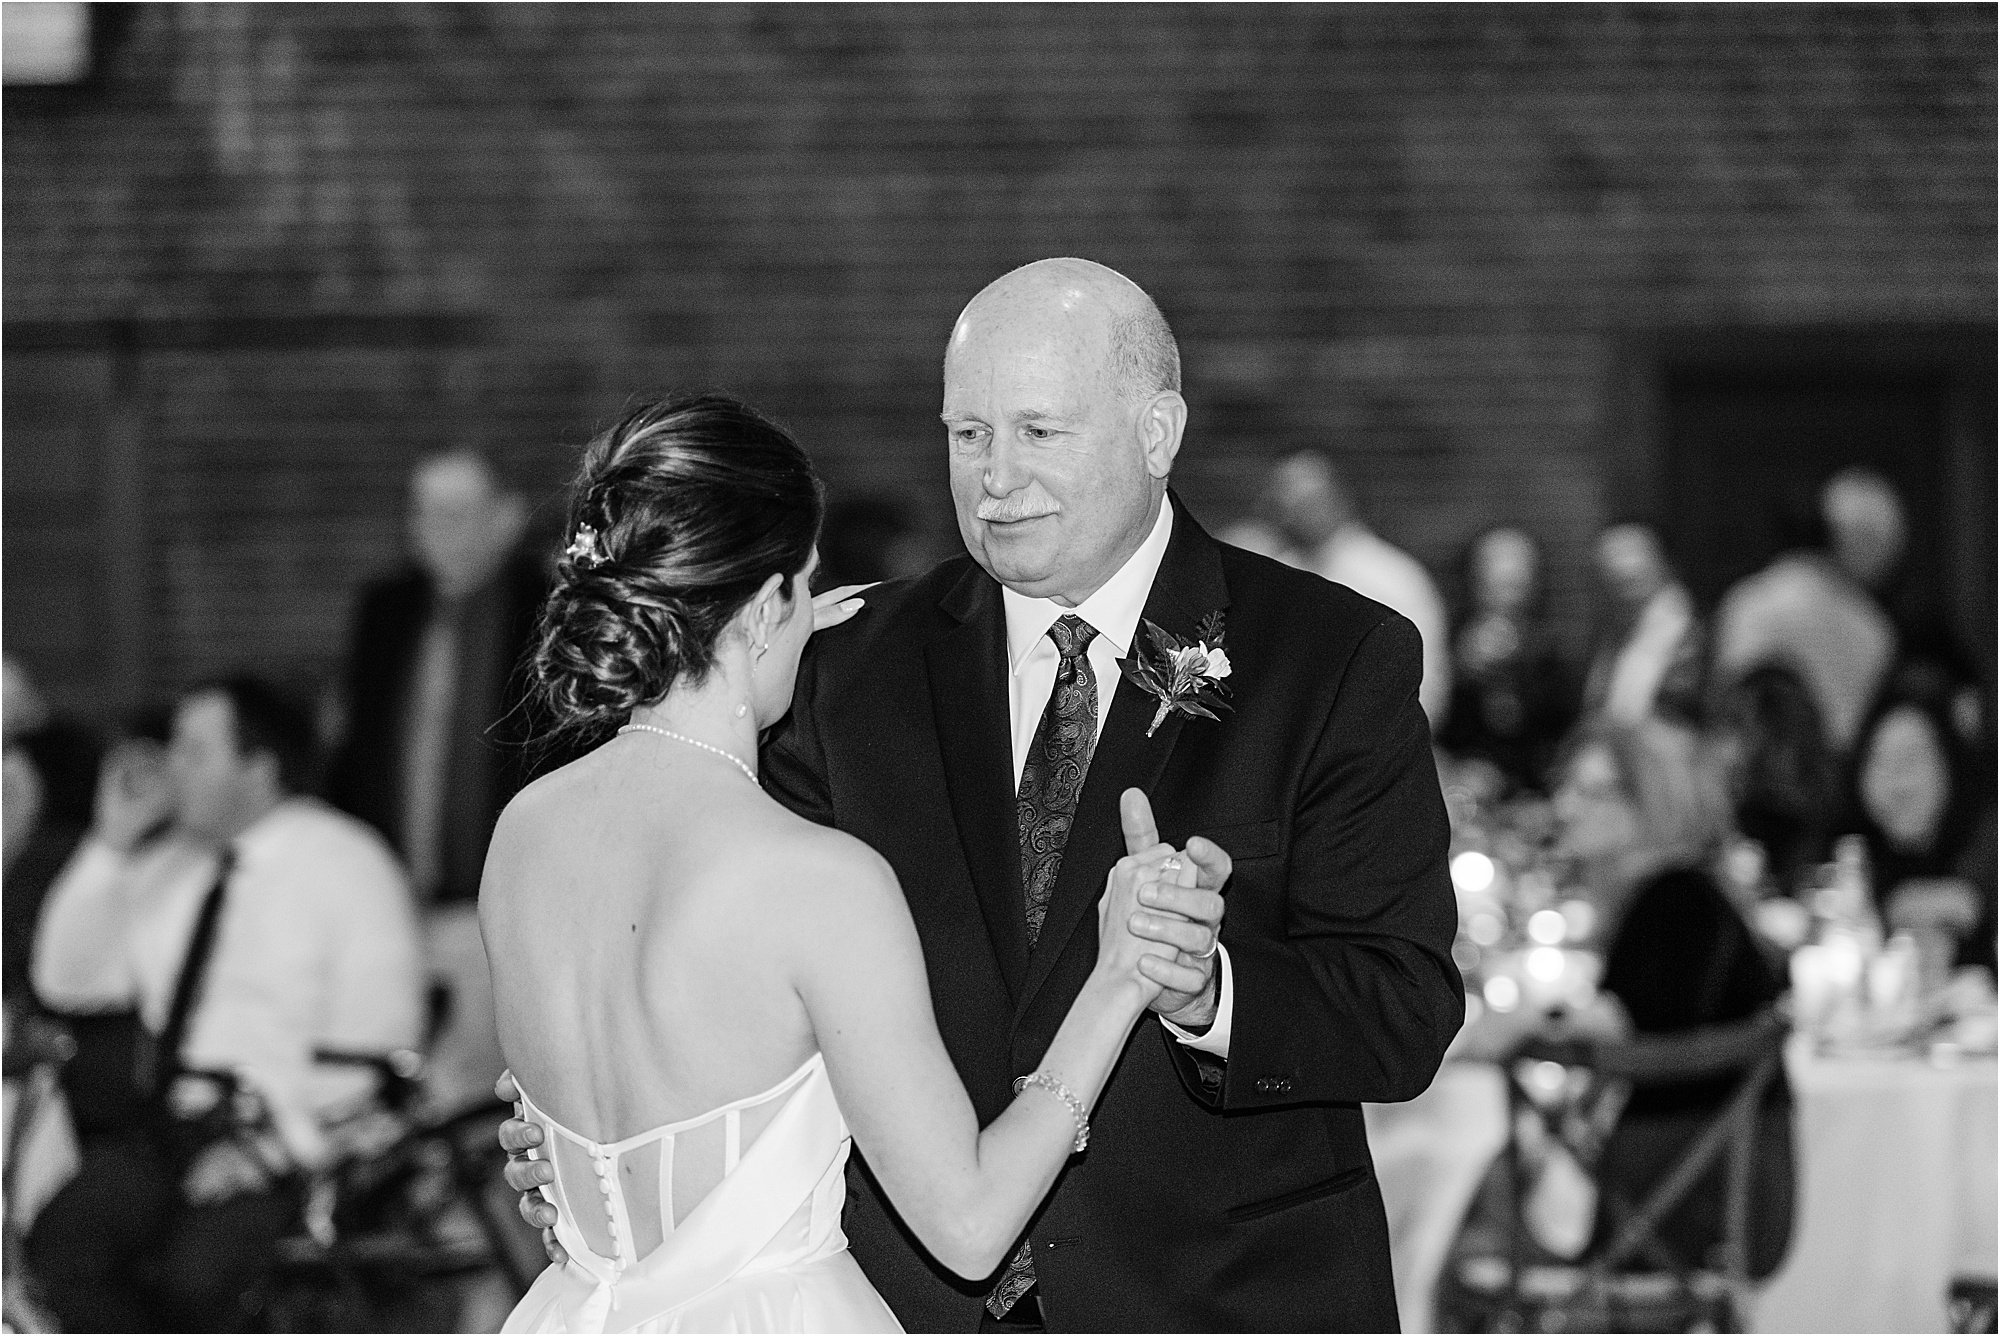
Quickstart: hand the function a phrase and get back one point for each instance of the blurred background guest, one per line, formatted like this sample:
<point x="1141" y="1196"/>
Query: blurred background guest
<point x="1315" y="510"/>
<point x="868" y="538"/>
<point x="1812" y="612"/>
<point x="1785" y="782"/>
<point x="1921" y="796"/>
<point x="264" y="928"/>
<point x="50" y="771"/>
<point x="1868" y="535"/>
<point x="1642" y="814"/>
<point x="1649" y="643"/>
<point x="1513" y="695"/>
<point x="431" y="750"/>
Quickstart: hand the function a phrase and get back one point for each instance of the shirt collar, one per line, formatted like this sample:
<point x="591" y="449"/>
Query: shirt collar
<point x="1114" y="609"/>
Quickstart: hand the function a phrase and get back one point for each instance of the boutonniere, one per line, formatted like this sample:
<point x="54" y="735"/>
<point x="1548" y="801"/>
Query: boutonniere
<point x="1184" y="678"/>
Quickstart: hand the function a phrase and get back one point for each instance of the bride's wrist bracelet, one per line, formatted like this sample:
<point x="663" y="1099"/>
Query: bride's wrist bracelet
<point x="1061" y="1092"/>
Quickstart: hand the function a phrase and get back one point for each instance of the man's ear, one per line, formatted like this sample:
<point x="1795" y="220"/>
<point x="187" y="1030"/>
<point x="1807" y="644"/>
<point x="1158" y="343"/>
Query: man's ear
<point x="1161" y="422"/>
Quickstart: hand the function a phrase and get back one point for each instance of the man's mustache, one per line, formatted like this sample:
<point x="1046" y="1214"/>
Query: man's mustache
<point x="1010" y="509"/>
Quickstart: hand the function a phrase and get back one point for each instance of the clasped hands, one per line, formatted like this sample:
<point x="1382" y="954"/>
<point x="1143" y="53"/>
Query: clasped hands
<point x="1181" y="899"/>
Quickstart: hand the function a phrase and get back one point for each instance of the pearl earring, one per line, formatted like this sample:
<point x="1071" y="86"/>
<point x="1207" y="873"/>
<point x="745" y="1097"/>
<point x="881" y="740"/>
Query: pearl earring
<point x="742" y="709"/>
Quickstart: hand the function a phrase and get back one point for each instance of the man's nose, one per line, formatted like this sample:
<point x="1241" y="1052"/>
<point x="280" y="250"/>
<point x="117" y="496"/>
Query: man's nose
<point x="1003" y="473"/>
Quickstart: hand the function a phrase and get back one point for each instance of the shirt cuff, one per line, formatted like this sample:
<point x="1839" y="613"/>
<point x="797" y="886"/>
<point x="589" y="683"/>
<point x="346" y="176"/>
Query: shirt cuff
<point x="1216" y="1039"/>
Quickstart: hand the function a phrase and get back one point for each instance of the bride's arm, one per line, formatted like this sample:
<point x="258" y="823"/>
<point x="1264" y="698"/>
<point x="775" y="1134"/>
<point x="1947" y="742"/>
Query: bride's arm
<point x="860" y="972"/>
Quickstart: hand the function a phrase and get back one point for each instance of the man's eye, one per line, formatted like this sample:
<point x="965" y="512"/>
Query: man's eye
<point x="1037" y="433"/>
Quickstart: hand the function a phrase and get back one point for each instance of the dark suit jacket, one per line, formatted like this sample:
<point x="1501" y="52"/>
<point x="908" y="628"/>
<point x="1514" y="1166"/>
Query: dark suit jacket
<point x="488" y="763"/>
<point x="1214" y="1196"/>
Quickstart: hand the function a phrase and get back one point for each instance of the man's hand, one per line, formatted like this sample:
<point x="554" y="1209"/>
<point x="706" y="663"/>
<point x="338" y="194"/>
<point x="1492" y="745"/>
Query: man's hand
<point x="134" y="794"/>
<point x="1183" y="910"/>
<point x="517" y="1136"/>
<point x="831" y="607"/>
<point x="223" y="1170"/>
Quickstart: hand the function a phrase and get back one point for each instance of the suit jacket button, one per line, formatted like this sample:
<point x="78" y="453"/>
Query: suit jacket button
<point x="1273" y="1085"/>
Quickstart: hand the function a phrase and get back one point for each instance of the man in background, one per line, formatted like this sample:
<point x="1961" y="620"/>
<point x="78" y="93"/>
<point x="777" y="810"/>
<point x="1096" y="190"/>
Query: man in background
<point x="1650" y="643"/>
<point x="1811" y="610"/>
<point x="1317" y="513"/>
<point x="430" y="752"/>
<point x="262" y="929"/>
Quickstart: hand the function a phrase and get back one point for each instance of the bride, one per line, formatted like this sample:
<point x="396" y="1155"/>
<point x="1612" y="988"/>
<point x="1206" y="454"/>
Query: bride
<point x="701" y="995"/>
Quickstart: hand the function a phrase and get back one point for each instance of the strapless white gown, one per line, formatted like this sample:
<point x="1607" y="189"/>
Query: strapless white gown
<point x="762" y="1251"/>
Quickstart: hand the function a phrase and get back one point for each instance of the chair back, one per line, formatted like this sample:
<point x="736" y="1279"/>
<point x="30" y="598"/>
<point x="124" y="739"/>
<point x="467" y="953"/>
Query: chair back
<point x="1632" y="1276"/>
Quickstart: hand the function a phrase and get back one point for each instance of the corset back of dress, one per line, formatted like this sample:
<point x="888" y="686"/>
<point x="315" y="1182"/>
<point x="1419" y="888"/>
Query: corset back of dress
<point x="657" y="1218"/>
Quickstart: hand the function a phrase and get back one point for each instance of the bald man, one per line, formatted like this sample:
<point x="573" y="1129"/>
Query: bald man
<point x="974" y="725"/>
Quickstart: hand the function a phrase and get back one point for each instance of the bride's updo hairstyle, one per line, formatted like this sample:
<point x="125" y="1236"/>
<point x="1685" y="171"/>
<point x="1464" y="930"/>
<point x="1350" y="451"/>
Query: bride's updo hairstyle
<point x="680" y="513"/>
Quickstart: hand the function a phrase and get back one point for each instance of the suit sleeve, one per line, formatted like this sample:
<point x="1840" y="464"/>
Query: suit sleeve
<point x="1358" y="996"/>
<point x="791" y="759"/>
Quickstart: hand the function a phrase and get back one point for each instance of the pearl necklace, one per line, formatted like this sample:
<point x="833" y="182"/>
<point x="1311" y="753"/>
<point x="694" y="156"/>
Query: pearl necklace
<point x="730" y="757"/>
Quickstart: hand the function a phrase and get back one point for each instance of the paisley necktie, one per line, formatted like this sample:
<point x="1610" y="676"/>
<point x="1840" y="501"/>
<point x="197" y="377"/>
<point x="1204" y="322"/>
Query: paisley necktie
<point x="1051" y="780"/>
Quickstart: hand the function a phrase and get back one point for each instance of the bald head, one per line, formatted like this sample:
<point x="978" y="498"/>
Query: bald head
<point x="1064" y="416"/>
<point x="1108" y="315"/>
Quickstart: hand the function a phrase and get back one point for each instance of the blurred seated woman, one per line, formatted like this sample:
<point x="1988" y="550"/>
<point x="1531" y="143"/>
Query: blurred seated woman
<point x="1919" y="796"/>
<point x="1642" y="813"/>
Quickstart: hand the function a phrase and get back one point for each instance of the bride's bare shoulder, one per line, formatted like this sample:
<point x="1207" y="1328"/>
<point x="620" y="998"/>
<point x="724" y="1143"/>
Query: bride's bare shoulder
<point x="824" y="877"/>
<point x="549" y="797"/>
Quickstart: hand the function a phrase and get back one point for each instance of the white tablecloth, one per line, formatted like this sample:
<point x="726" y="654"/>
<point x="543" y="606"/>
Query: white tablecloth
<point x="1897" y="1181"/>
<point x="1897" y="1186"/>
<point x="1430" y="1155"/>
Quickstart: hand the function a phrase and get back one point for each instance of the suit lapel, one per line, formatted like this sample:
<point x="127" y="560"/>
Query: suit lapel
<point x="1188" y="587"/>
<point x="968" y="676"/>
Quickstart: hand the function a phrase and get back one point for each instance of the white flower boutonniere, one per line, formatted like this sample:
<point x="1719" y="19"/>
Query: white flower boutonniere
<point x="1184" y="678"/>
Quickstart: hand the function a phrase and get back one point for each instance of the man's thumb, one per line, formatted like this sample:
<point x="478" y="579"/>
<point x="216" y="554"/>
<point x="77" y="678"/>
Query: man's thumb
<point x="1135" y="814"/>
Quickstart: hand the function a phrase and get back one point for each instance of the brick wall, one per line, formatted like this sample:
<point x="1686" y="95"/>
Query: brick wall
<point x="276" y="250"/>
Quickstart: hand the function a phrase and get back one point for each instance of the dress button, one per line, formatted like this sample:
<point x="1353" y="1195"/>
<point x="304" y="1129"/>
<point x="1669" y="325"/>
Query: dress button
<point x="604" y="1186"/>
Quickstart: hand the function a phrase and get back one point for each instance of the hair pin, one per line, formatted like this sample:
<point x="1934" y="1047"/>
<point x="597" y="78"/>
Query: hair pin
<point x="583" y="549"/>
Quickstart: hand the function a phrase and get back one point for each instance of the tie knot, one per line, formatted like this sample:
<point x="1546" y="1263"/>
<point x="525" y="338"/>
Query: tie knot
<point x="1072" y="635"/>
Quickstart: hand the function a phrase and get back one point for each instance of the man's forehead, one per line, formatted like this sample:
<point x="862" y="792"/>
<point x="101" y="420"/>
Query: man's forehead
<point x="1045" y="370"/>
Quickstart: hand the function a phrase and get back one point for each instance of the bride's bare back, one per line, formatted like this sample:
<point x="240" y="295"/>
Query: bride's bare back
<point x="641" y="953"/>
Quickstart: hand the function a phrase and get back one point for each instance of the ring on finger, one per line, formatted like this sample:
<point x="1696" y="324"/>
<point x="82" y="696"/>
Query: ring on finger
<point x="1214" y="945"/>
<point x="1172" y="864"/>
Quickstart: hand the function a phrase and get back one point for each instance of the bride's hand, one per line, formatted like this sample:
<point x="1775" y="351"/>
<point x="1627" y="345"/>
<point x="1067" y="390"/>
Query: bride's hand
<point x="833" y="606"/>
<point x="1119" y="949"/>
<point x="1147" y="864"/>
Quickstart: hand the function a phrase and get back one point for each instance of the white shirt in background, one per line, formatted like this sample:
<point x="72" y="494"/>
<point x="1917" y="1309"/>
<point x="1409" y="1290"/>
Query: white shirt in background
<point x="317" y="947"/>
<point x="1032" y="658"/>
<point x="1806" y="613"/>
<point x="1377" y="569"/>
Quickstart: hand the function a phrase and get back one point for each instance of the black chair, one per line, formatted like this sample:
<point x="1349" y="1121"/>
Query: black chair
<point x="391" y="1231"/>
<point x="1973" y="1305"/>
<point x="1631" y="1276"/>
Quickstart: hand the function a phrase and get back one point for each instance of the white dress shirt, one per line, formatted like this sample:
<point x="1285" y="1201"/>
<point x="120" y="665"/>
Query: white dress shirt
<point x="1032" y="659"/>
<point x="317" y="947"/>
<point x="1374" y="567"/>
